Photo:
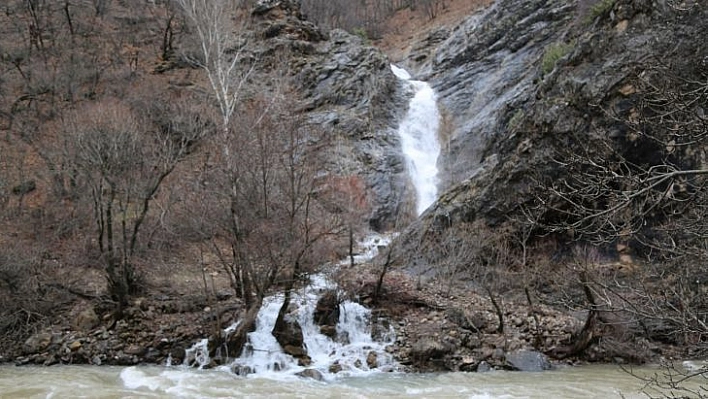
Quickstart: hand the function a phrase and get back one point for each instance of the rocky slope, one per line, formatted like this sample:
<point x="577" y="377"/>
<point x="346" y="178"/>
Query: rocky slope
<point x="347" y="88"/>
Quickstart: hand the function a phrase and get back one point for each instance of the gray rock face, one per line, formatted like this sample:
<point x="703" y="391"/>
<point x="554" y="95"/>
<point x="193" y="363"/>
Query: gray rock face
<point x="509" y="117"/>
<point x="527" y="361"/>
<point x="484" y="68"/>
<point x="348" y="89"/>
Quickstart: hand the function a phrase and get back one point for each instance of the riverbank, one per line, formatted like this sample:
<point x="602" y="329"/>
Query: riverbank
<point x="438" y="327"/>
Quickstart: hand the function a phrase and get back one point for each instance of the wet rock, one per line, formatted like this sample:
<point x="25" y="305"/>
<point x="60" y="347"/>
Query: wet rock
<point x="335" y="368"/>
<point x="177" y="354"/>
<point x="372" y="360"/>
<point x="240" y="369"/>
<point x="326" y="313"/>
<point x="524" y="360"/>
<point x="483" y="367"/>
<point x="311" y="373"/>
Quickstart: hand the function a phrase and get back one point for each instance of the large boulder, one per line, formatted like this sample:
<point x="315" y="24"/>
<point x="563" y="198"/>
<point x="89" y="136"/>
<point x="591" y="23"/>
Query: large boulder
<point x="525" y="360"/>
<point x="326" y="313"/>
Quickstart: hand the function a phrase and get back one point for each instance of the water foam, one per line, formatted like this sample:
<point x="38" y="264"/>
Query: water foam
<point x="419" y="139"/>
<point x="350" y="351"/>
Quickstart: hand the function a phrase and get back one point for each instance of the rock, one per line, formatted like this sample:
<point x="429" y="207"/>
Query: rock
<point x="335" y="368"/>
<point x="429" y="354"/>
<point x="483" y="367"/>
<point x="86" y="320"/>
<point x="468" y="363"/>
<point x="524" y="360"/>
<point x="74" y="346"/>
<point x="311" y="373"/>
<point x="372" y="360"/>
<point x="330" y="331"/>
<point x="37" y="343"/>
<point x="241" y="370"/>
<point x="134" y="350"/>
<point x="327" y="309"/>
<point x="177" y="354"/>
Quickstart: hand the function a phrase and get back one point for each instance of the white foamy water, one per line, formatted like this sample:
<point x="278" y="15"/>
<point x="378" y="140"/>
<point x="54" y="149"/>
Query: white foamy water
<point x="419" y="139"/>
<point x="349" y="350"/>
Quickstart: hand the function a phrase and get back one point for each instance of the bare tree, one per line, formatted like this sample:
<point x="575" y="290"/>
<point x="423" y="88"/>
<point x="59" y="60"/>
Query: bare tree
<point x="122" y="161"/>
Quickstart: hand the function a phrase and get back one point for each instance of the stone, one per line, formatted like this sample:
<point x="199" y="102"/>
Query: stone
<point x="335" y="368"/>
<point x="37" y="343"/>
<point x="372" y="360"/>
<point x="134" y="350"/>
<point x="483" y="367"/>
<point x="311" y="373"/>
<point x="86" y="320"/>
<point x="74" y="346"/>
<point x="525" y="360"/>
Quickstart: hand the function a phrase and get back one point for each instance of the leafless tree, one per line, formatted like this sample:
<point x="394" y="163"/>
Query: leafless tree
<point x="122" y="161"/>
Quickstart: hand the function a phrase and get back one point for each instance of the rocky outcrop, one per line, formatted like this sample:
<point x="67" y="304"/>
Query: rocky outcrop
<point x="511" y="110"/>
<point x="573" y="93"/>
<point x="483" y="68"/>
<point x="348" y="89"/>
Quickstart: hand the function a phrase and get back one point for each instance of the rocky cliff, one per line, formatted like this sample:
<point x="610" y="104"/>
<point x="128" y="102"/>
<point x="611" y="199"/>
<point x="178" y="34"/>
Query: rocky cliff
<point x="525" y="80"/>
<point x="346" y="87"/>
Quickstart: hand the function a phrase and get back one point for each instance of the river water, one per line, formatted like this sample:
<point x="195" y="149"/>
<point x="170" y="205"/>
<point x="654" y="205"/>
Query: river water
<point x="183" y="382"/>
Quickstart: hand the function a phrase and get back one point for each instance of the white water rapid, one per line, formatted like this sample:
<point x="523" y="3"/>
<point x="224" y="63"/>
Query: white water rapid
<point x="353" y="352"/>
<point x="419" y="139"/>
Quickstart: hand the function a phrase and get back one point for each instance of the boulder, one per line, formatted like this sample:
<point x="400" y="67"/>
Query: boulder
<point x="429" y="354"/>
<point x="311" y="373"/>
<point x="86" y="320"/>
<point x="524" y="360"/>
<point x="372" y="360"/>
<point x="37" y="343"/>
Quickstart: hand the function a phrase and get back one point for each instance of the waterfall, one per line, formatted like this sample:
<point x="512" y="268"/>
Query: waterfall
<point x="419" y="139"/>
<point x="349" y="353"/>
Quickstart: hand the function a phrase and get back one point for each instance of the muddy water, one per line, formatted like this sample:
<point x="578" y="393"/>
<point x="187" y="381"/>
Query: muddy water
<point x="179" y="382"/>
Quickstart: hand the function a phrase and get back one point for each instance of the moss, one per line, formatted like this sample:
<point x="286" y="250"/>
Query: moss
<point x="361" y="32"/>
<point x="553" y="53"/>
<point x="600" y="8"/>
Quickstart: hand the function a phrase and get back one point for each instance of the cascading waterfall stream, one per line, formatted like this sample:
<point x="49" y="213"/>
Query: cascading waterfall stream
<point x="350" y="352"/>
<point x="419" y="140"/>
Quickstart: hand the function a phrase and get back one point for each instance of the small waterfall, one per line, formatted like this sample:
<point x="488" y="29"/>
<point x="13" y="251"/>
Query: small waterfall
<point x="419" y="139"/>
<point x="349" y="353"/>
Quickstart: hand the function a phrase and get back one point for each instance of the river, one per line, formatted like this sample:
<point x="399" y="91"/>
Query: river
<point x="182" y="382"/>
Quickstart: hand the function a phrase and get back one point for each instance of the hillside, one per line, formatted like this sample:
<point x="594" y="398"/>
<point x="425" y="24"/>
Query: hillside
<point x="163" y="170"/>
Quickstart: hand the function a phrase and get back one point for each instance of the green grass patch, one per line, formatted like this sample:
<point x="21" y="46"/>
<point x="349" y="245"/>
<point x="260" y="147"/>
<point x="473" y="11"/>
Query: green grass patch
<point x="553" y="53"/>
<point x="602" y="7"/>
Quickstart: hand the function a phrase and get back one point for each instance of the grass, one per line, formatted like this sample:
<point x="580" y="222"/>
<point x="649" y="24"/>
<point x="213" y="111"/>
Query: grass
<point x="553" y="53"/>
<point x="599" y="8"/>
